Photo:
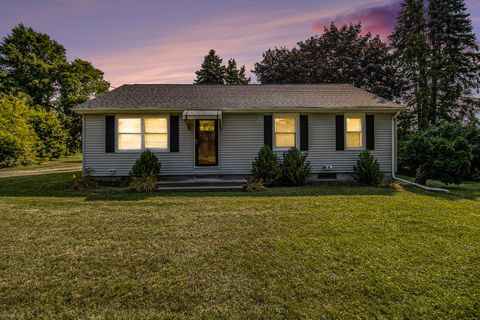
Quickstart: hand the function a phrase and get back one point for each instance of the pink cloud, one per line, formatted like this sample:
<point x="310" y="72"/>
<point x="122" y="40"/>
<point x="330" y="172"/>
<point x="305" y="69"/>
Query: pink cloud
<point x="380" y="19"/>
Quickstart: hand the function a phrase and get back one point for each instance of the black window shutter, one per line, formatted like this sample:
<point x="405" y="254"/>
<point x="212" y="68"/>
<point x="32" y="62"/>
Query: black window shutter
<point x="370" y="131"/>
<point x="267" y="130"/>
<point x="109" y="134"/>
<point x="174" y="134"/>
<point x="339" y="132"/>
<point x="303" y="132"/>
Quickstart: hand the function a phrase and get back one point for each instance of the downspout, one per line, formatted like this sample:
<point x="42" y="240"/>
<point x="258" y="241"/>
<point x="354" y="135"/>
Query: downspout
<point x="394" y="161"/>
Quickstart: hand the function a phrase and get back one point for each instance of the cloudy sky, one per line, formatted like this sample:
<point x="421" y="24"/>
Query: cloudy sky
<point x="155" y="41"/>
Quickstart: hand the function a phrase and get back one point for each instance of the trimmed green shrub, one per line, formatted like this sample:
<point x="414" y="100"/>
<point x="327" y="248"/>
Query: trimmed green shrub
<point x="51" y="135"/>
<point x="441" y="153"/>
<point x="265" y="167"/>
<point x="145" y="183"/>
<point x="367" y="170"/>
<point x="254" y="185"/>
<point x="18" y="141"/>
<point x="146" y="165"/>
<point x="295" y="168"/>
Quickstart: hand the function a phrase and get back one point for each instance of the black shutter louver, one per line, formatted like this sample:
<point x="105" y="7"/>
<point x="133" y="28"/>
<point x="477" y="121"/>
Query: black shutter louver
<point x="339" y="132"/>
<point x="303" y="132"/>
<point x="267" y="130"/>
<point x="109" y="134"/>
<point x="370" y="131"/>
<point x="174" y="134"/>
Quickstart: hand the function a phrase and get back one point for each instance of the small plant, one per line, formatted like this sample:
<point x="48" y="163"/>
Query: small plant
<point x="367" y="170"/>
<point x="265" y="167"/>
<point x="79" y="183"/>
<point x="254" y="185"/>
<point x="146" y="165"/>
<point x="146" y="183"/>
<point x="295" y="168"/>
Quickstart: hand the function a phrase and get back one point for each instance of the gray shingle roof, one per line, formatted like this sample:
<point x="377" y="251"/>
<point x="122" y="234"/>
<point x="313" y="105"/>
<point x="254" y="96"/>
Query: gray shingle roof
<point x="173" y="97"/>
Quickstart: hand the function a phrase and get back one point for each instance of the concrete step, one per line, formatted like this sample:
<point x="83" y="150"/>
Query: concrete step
<point x="201" y="188"/>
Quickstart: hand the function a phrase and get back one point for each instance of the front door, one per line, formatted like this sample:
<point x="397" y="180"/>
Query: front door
<point x="206" y="142"/>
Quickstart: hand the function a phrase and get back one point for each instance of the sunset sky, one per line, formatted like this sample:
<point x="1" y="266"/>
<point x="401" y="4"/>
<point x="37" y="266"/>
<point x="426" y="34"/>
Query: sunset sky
<point x="147" y="41"/>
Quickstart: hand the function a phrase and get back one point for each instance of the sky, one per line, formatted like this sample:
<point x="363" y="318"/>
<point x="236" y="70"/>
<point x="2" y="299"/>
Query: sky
<point x="157" y="41"/>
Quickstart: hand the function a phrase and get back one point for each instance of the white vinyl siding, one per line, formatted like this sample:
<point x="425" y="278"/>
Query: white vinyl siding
<point x="240" y="139"/>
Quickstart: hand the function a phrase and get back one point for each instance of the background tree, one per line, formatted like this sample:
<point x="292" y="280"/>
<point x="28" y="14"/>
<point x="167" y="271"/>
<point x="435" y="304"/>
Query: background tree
<point x="455" y="60"/>
<point x="233" y="75"/>
<point x="339" y="55"/>
<point x="412" y="52"/>
<point x="32" y="63"/>
<point x="211" y="71"/>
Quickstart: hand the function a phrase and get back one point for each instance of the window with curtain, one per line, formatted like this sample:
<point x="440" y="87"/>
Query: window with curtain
<point x="353" y="132"/>
<point x="142" y="133"/>
<point x="285" y="131"/>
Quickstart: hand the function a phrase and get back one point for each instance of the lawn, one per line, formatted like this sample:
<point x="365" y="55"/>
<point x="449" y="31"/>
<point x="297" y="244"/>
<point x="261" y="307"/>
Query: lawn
<point x="64" y="162"/>
<point x="332" y="252"/>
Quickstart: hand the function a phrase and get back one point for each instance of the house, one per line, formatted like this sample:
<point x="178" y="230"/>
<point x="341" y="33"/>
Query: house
<point x="217" y="130"/>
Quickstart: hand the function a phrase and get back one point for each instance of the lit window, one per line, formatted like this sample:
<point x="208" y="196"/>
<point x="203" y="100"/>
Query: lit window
<point x="156" y="134"/>
<point x="129" y="134"/>
<point x="142" y="133"/>
<point x="285" y="128"/>
<point x="354" y="132"/>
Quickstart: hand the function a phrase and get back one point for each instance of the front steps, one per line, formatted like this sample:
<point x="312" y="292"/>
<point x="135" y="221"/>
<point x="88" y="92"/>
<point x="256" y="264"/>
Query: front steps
<point x="201" y="184"/>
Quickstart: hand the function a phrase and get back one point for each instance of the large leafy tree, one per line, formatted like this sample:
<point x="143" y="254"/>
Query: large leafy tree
<point x="211" y="71"/>
<point x="339" y="55"/>
<point x="29" y="63"/>
<point x="33" y="63"/>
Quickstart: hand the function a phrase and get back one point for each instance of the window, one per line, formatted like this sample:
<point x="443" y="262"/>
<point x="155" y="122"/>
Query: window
<point x="353" y="135"/>
<point x="142" y="133"/>
<point x="285" y="132"/>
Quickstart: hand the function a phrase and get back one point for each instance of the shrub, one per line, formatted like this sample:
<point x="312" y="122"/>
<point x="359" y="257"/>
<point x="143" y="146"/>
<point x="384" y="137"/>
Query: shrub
<point x="85" y="182"/>
<point x="254" y="185"/>
<point x="265" y="167"/>
<point x="17" y="139"/>
<point x="294" y="169"/>
<point x="146" y="165"/>
<point x="367" y="170"/>
<point x="145" y="183"/>
<point x="50" y="132"/>
<point x="440" y="153"/>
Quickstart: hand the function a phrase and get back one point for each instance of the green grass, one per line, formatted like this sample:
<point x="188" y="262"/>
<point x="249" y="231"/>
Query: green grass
<point x="51" y="164"/>
<point x="332" y="252"/>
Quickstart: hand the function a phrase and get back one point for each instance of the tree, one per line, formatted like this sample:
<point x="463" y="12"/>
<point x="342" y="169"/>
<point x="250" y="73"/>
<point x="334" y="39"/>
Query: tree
<point x="33" y="63"/>
<point x="412" y="51"/>
<point x="235" y="76"/>
<point x="51" y="135"/>
<point x="455" y="59"/>
<point x="18" y="141"/>
<point x="211" y="71"/>
<point x="79" y="81"/>
<point x="339" y="55"/>
<point x="29" y="62"/>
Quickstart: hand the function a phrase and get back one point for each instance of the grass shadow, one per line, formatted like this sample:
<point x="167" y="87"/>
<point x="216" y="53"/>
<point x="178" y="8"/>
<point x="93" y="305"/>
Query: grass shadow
<point x="57" y="185"/>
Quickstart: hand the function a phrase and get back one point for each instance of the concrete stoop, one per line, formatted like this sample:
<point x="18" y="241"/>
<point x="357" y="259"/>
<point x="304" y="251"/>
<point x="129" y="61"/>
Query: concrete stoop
<point x="201" y="185"/>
